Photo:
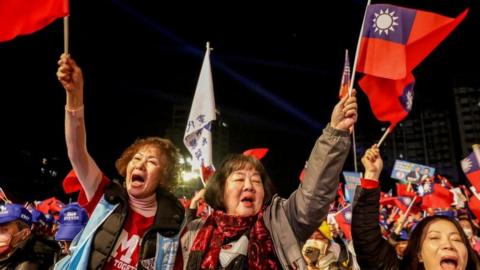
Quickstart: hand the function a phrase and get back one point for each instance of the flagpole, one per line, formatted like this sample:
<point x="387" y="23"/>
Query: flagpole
<point x="476" y="151"/>
<point x="341" y="210"/>
<point x="352" y="81"/>
<point x="65" y="34"/>
<point x="198" y="137"/>
<point x="356" y="51"/>
<point x="4" y="197"/>
<point x="354" y="145"/>
<point x="384" y="136"/>
<point x="474" y="191"/>
<point x="403" y="217"/>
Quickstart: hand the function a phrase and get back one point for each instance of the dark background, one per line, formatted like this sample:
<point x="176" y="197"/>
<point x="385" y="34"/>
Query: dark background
<point x="276" y="71"/>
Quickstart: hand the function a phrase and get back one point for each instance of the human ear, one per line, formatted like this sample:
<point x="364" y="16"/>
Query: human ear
<point x="26" y="234"/>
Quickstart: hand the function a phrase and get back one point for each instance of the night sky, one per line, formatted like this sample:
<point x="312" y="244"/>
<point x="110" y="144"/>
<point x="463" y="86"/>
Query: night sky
<point x="276" y="72"/>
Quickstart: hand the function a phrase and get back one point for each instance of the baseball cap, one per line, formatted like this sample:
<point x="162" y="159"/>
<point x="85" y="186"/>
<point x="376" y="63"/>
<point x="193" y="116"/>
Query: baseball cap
<point x="11" y="211"/>
<point x="38" y="217"/>
<point x="49" y="219"/>
<point x="72" y="219"/>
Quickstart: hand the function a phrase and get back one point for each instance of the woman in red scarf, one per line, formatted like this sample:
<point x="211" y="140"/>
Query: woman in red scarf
<point x="251" y="228"/>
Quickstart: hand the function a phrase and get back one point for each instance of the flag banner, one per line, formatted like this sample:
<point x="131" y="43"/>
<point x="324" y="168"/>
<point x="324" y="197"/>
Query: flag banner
<point x="346" y="76"/>
<point x="340" y="197"/>
<point x="474" y="205"/>
<point x="471" y="167"/>
<point x="409" y="172"/>
<point x="3" y="196"/>
<point x="394" y="41"/>
<point x="459" y="198"/>
<point x="50" y="206"/>
<point x="344" y="221"/>
<point x="402" y="203"/>
<point x="405" y="190"/>
<point x="435" y="196"/>
<point x="352" y="180"/>
<point x="390" y="100"/>
<point x="198" y="133"/>
<point x="71" y="183"/>
<point x="20" y="17"/>
<point x="258" y="153"/>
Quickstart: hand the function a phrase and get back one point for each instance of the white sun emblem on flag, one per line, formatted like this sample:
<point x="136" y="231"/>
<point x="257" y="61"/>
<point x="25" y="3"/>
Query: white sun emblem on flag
<point x="348" y="216"/>
<point x="466" y="164"/>
<point x="407" y="200"/>
<point x="384" y="21"/>
<point x="427" y="188"/>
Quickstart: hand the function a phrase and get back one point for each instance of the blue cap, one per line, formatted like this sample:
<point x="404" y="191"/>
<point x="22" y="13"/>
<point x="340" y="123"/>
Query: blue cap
<point x="10" y="212"/>
<point x="403" y="235"/>
<point x="72" y="220"/>
<point x="447" y="213"/>
<point x="49" y="219"/>
<point x="38" y="217"/>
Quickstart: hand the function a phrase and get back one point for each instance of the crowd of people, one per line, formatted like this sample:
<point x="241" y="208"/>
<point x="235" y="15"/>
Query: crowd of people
<point x="137" y="223"/>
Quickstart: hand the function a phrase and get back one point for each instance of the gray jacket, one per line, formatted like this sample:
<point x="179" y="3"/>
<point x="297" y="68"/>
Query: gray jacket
<point x="291" y="221"/>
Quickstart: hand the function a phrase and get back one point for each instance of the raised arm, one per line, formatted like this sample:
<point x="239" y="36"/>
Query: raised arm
<point x="373" y="252"/>
<point x="309" y="204"/>
<point x="71" y="78"/>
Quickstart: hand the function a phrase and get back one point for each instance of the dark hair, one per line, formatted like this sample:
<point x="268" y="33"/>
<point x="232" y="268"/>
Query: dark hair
<point x="167" y="149"/>
<point x="21" y="225"/>
<point x="469" y="220"/>
<point x="410" y="259"/>
<point x="216" y="184"/>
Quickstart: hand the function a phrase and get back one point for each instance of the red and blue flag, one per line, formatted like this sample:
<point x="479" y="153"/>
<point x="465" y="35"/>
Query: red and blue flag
<point x="471" y="167"/>
<point x="394" y="41"/>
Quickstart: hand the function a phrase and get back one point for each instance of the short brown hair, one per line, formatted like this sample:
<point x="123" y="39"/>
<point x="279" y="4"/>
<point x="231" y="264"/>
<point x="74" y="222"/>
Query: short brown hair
<point x="167" y="149"/>
<point x="216" y="184"/>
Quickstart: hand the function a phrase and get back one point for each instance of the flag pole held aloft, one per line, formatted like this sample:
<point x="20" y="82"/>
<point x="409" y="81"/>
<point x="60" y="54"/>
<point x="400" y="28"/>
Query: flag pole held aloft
<point x="198" y="131"/>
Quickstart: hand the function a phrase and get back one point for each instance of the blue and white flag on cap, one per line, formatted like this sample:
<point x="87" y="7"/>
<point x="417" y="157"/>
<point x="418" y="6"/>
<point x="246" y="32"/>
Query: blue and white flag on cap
<point x="198" y="133"/>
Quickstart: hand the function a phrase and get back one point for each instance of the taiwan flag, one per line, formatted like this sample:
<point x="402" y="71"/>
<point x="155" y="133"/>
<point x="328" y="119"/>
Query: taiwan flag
<point x="21" y="17"/>
<point x="471" y="167"/>
<point x="394" y="41"/>
<point x="474" y="205"/>
<point x="344" y="221"/>
<point x="435" y="196"/>
<point x="405" y="190"/>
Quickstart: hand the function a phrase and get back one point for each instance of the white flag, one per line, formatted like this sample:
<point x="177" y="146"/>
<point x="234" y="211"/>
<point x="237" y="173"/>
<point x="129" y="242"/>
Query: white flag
<point x="198" y="133"/>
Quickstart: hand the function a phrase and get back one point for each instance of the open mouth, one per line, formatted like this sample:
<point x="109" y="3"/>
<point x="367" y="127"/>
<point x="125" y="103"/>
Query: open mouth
<point x="449" y="263"/>
<point x="247" y="200"/>
<point x="137" y="179"/>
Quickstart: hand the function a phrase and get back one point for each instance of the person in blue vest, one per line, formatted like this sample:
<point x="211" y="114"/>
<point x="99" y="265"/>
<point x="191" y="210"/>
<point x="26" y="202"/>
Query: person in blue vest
<point x="133" y="225"/>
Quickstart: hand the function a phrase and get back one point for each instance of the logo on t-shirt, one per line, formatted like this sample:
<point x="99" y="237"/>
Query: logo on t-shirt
<point x="125" y="254"/>
<point x="124" y="250"/>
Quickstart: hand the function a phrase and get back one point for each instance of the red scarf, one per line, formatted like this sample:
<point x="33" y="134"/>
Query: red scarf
<point x="219" y="227"/>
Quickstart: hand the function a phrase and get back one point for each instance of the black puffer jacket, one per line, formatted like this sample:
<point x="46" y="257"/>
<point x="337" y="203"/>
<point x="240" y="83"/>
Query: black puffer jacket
<point x="168" y="221"/>
<point x="373" y="252"/>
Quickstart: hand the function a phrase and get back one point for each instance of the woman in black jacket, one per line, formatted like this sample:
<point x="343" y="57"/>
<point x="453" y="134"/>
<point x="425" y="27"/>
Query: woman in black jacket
<point x="437" y="242"/>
